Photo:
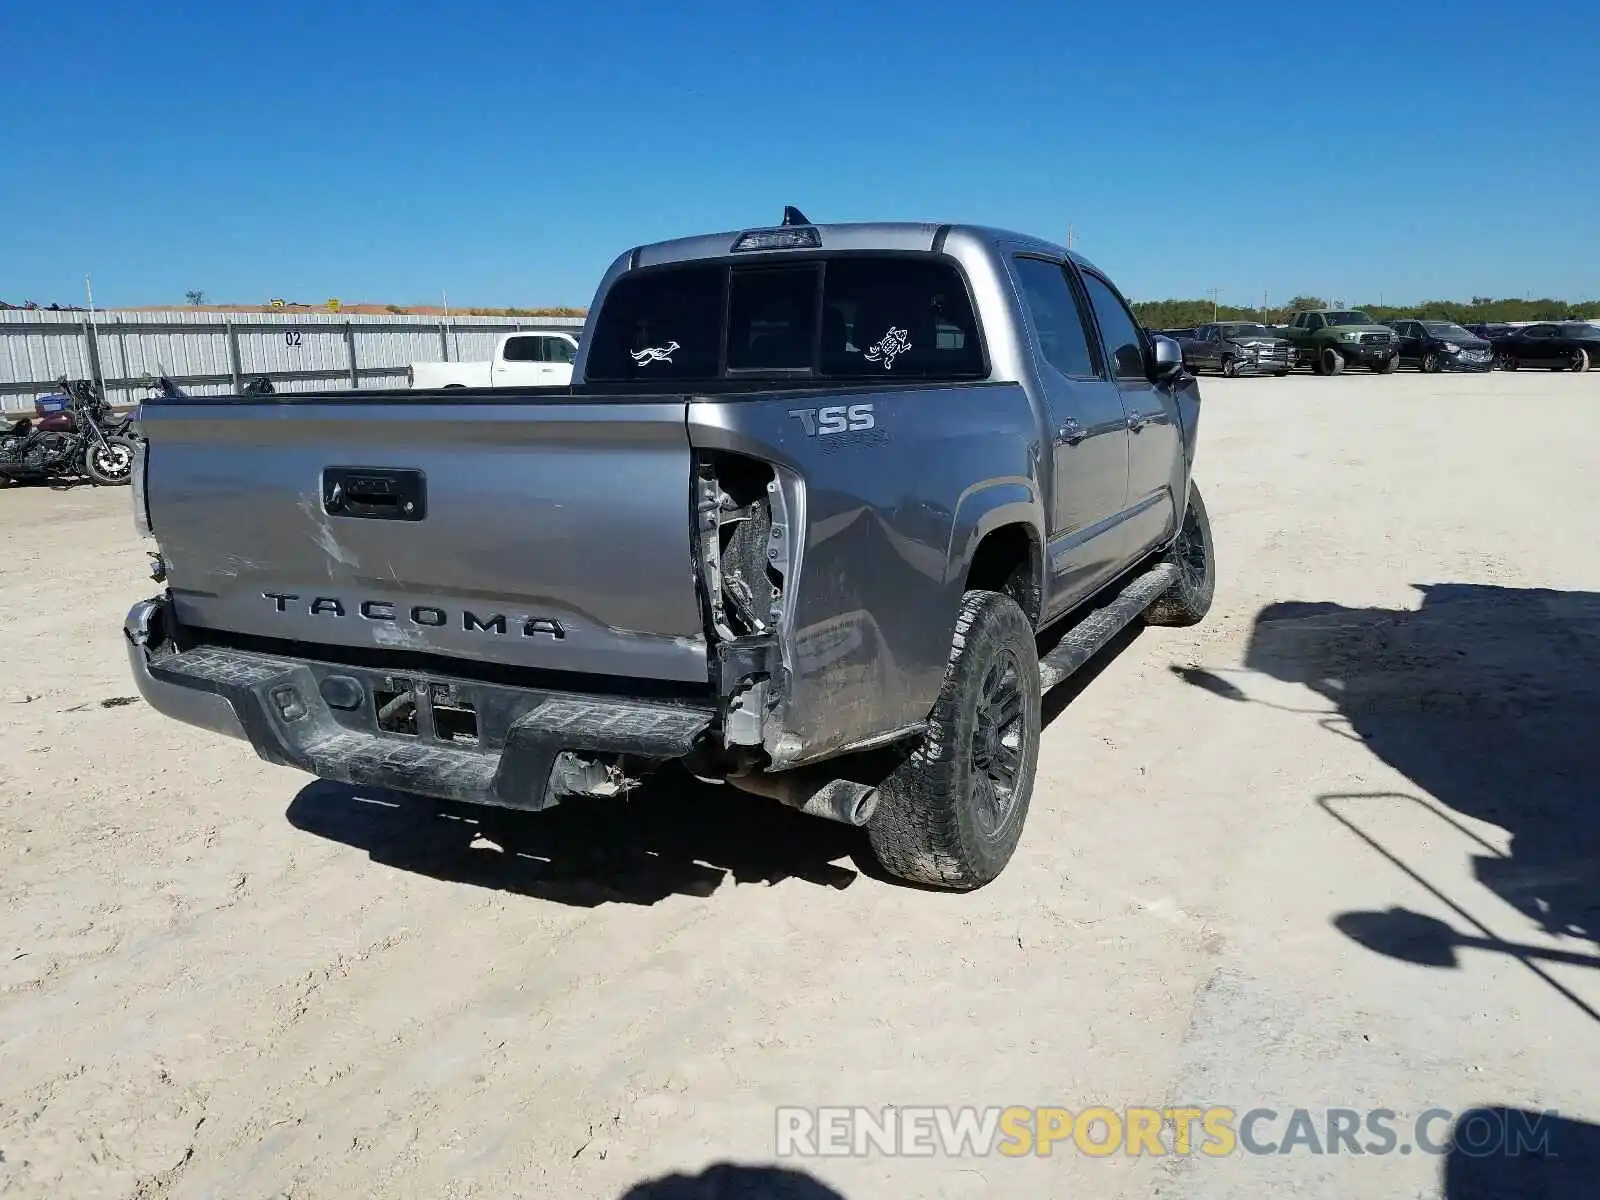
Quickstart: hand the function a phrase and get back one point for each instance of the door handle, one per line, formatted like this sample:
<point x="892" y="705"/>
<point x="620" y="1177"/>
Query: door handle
<point x="1135" y="423"/>
<point x="1072" y="433"/>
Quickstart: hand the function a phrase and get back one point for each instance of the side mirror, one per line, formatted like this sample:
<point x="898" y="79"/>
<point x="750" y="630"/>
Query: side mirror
<point x="1168" y="358"/>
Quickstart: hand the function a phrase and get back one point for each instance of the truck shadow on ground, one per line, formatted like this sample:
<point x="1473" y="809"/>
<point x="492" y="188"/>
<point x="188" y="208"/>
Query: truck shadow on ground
<point x="1512" y="1154"/>
<point x="1488" y="699"/>
<point x="734" y="1181"/>
<point x="674" y="836"/>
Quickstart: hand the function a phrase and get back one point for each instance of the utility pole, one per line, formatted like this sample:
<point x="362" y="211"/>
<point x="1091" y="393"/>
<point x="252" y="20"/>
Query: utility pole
<point x="1214" y="293"/>
<point x="93" y="348"/>
<point x="445" y="297"/>
<point x="1069" y="235"/>
<point x="1264" y="306"/>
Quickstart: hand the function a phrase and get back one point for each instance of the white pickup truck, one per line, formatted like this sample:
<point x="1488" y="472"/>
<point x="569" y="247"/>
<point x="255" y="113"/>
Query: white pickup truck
<point x="533" y="359"/>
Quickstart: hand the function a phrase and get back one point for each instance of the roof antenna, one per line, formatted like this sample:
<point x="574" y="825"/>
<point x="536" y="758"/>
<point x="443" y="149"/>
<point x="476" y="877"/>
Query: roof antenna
<point x="793" y="216"/>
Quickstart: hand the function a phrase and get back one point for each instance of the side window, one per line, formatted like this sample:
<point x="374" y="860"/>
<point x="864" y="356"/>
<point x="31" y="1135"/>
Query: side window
<point x="524" y="349"/>
<point x="1056" y="317"/>
<point x="558" y="350"/>
<point x="1118" y="328"/>
<point x="1314" y="321"/>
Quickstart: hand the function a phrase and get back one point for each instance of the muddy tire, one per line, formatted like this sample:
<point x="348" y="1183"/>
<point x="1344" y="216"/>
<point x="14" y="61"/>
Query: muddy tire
<point x="952" y="813"/>
<point x="111" y="464"/>
<point x="1331" y="361"/>
<point x="1189" y="600"/>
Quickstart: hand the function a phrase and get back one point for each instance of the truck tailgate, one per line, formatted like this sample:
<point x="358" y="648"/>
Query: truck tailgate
<point x="550" y="533"/>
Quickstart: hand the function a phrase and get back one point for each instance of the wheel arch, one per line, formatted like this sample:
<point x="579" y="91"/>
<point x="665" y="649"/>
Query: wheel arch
<point x="997" y="543"/>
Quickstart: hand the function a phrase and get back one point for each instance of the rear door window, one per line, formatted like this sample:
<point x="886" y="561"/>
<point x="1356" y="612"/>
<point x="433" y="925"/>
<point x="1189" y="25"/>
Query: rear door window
<point x="558" y="350"/>
<point x="1057" y="319"/>
<point x="524" y="349"/>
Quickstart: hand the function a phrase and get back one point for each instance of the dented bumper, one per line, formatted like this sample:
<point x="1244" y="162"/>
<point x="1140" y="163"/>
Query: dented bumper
<point x="413" y="731"/>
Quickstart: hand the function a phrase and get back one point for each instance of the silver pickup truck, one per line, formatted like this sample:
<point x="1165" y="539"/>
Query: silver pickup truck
<point x="825" y="511"/>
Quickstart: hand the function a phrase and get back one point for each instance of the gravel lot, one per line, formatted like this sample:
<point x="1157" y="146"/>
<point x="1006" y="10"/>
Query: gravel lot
<point x="1336" y="847"/>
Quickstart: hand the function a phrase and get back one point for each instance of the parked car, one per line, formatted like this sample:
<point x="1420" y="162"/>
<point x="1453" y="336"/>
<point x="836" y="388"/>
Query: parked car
<point x="520" y="360"/>
<point x="1488" y="330"/>
<point x="1238" y="348"/>
<point x="1328" y="339"/>
<point x="797" y="526"/>
<point x="1559" y="346"/>
<point x="1433" y="346"/>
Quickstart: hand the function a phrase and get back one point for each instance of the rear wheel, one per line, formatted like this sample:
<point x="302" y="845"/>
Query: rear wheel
<point x="110" y="463"/>
<point x="1332" y="361"/>
<point x="1189" y="599"/>
<point x="952" y="813"/>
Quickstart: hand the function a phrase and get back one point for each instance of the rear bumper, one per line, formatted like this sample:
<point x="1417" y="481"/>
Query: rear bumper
<point x="455" y="739"/>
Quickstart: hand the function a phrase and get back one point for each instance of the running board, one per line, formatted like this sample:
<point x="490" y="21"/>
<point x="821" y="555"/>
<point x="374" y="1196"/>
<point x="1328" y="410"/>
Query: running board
<point x="1090" y="635"/>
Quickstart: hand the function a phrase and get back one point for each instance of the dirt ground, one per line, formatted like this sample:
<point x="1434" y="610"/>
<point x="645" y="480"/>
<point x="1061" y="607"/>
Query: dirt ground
<point x="1334" y="848"/>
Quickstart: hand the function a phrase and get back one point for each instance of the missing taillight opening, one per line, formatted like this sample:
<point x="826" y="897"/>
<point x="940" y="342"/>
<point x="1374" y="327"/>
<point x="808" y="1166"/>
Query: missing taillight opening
<point x="742" y="544"/>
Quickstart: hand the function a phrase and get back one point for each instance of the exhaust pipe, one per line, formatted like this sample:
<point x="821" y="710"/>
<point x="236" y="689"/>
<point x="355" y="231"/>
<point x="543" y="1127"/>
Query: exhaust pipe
<point x="816" y="795"/>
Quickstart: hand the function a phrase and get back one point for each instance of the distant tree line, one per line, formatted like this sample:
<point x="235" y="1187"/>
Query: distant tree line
<point x="1182" y="314"/>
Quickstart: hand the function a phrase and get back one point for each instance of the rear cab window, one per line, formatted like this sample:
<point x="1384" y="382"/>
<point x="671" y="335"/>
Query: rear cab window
<point x="846" y="316"/>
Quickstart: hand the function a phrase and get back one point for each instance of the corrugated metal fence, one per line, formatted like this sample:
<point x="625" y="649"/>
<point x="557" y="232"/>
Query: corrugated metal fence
<point x="215" y="353"/>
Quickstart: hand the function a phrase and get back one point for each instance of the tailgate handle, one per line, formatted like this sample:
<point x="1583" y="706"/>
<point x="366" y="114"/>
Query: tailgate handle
<point x="374" y="493"/>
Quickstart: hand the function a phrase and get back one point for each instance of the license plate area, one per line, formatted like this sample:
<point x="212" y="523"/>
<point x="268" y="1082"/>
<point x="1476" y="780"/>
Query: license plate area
<point x="419" y="708"/>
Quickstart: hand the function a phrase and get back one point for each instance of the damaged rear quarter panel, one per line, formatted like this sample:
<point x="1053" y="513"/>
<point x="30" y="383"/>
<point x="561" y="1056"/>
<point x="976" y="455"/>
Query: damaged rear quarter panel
<point x="868" y="631"/>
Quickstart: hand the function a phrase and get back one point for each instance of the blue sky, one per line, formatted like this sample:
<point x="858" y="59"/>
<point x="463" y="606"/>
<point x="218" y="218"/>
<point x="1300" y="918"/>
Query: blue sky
<point x="506" y="152"/>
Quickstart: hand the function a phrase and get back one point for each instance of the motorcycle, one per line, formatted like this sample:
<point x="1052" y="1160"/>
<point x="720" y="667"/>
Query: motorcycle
<point x="69" y="440"/>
